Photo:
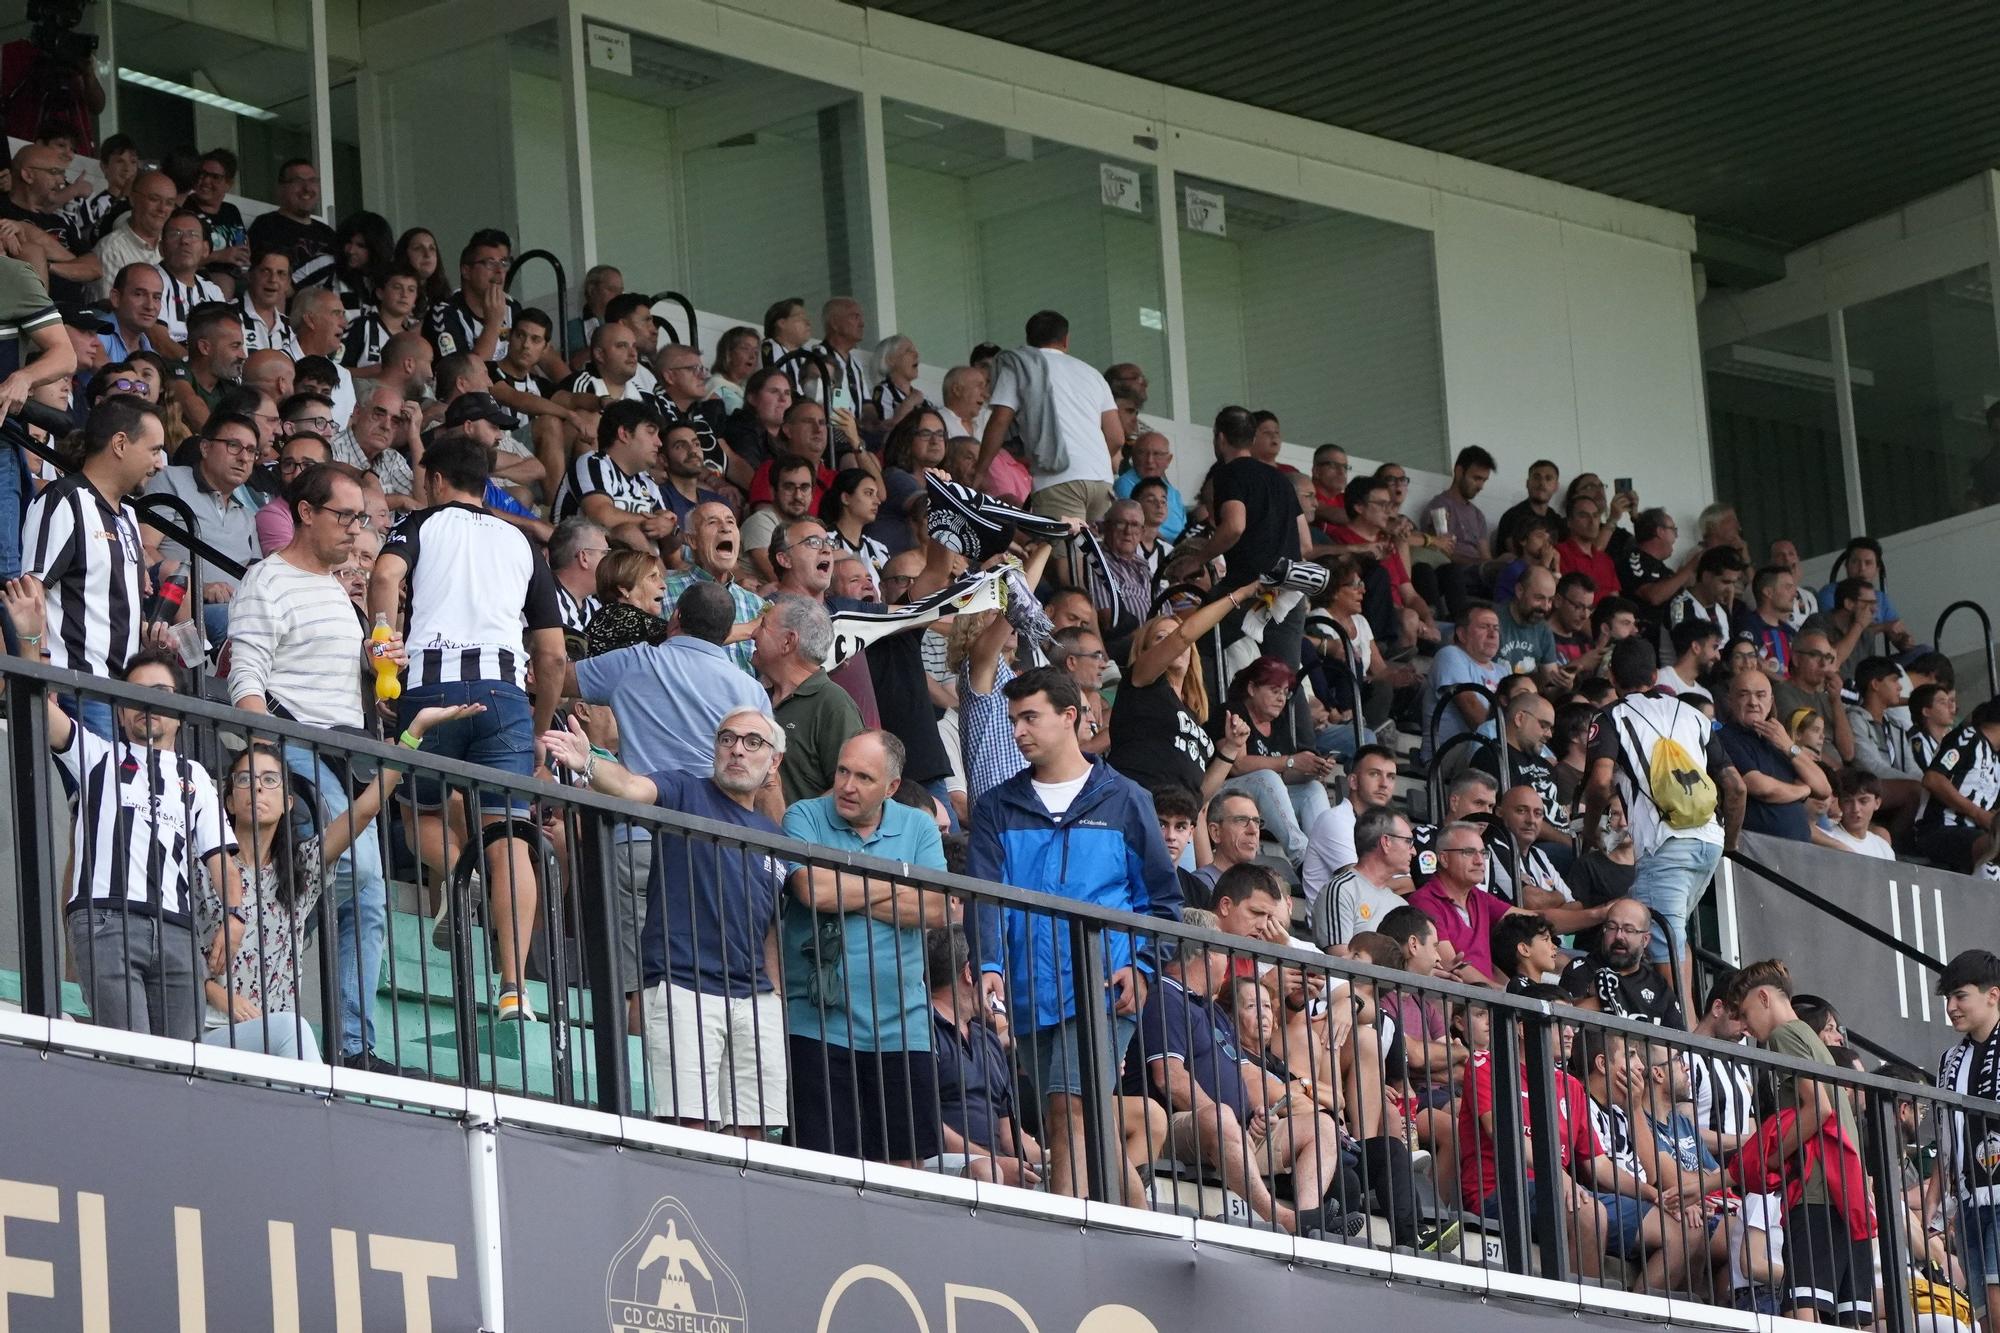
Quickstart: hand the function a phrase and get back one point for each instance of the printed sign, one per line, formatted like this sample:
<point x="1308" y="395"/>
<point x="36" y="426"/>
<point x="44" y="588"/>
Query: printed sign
<point x="610" y="48"/>
<point x="1205" y="211"/>
<point x="1118" y="187"/>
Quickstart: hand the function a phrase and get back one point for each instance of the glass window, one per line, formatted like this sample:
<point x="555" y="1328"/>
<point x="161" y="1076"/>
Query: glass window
<point x="988" y="226"/>
<point x="1328" y="318"/>
<point x="1925" y="368"/>
<point x="731" y="183"/>
<point x="247" y="88"/>
<point x="1774" y="430"/>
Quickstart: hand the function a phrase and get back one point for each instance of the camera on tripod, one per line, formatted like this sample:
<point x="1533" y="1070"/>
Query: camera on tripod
<point x="52" y="29"/>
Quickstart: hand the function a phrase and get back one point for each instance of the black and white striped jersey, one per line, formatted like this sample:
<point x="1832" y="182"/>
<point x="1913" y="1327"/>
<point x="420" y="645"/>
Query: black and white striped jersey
<point x="576" y="611"/>
<point x="144" y="819"/>
<point x="87" y="554"/>
<point x="887" y="398"/>
<point x="795" y="371"/>
<point x="275" y="336"/>
<point x="366" y="336"/>
<point x="179" y="298"/>
<point x="1724" y="1093"/>
<point x="597" y="474"/>
<point x="451" y="327"/>
<point x="850" y="376"/>
<point x="474" y="582"/>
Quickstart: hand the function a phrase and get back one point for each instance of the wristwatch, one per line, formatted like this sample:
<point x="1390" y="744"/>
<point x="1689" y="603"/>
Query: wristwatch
<point x="1290" y="761"/>
<point x="240" y="912"/>
<point x="1794" y="751"/>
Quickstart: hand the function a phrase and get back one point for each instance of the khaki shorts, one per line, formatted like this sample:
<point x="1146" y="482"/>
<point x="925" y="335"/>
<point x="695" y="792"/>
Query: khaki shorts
<point x="715" y="1058"/>
<point x="1072" y="499"/>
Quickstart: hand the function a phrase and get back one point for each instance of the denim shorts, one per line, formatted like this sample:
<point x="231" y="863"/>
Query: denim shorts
<point x="1979" y="1243"/>
<point x="1624" y="1216"/>
<point x="503" y="737"/>
<point x="1049" y="1055"/>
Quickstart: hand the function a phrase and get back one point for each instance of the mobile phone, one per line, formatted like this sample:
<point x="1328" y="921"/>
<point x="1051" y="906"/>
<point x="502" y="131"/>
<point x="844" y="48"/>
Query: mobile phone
<point x="995" y="1005"/>
<point x="1621" y="486"/>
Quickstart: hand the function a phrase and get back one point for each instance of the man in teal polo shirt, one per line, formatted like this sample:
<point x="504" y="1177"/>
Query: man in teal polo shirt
<point x="856" y="1006"/>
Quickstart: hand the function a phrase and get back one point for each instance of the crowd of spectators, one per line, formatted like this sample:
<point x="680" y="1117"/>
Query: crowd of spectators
<point x="725" y="584"/>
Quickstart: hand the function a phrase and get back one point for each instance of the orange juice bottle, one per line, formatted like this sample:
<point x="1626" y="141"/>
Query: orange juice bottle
<point x="387" y="684"/>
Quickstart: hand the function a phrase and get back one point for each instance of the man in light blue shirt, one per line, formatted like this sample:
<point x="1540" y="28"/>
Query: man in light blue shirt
<point x="1152" y="455"/>
<point x="135" y="308"/>
<point x="1471" y="660"/>
<point x="715" y="552"/>
<point x="857" y="1010"/>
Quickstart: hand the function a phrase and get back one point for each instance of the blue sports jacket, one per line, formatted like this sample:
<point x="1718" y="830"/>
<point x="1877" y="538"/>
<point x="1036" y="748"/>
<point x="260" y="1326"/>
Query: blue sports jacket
<point x="1104" y="850"/>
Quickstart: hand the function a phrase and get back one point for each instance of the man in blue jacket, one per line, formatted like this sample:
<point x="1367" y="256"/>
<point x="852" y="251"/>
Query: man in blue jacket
<point x="1070" y="826"/>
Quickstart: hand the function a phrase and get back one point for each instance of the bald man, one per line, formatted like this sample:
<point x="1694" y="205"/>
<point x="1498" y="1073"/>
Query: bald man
<point x="39" y="236"/>
<point x="136" y="238"/>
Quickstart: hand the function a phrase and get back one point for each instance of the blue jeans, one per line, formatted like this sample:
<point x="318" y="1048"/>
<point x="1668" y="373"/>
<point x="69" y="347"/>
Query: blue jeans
<point x="13" y="504"/>
<point x="1338" y="740"/>
<point x="503" y="737"/>
<point x="1979" y="1246"/>
<point x="1669" y="880"/>
<point x="360" y="904"/>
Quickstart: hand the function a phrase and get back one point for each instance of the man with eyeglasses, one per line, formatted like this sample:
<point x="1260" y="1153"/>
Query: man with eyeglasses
<point x="298" y="650"/>
<point x="477" y="317"/>
<point x="183" y="250"/>
<point x="35" y="179"/>
<point x="1359" y="896"/>
<point x="1463" y="911"/>
<point x="681" y="396"/>
<point x="1152" y="454"/>
<point x="224" y="505"/>
<point x="714" y="1021"/>
<point x="228" y="239"/>
<point x="293" y="226"/>
<point x="1614" y="978"/>
<point x="576" y="549"/>
<point x="299" y="451"/>
<point x="369" y="442"/>
<point x="1815" y="683"/>
<point x="1078" y="650"/>
<point x="1235" y="834"/>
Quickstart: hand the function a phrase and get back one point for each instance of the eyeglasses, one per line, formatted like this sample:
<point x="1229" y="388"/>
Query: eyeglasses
<point x="928" y="435"/>
<point x="288" y="467"/>
<point x="137" y="386"/>
<point x="1584" y="606"/>
<point x="488" y="263"/>
<point x="238" y="447"/>
<point x="318" y="425"/>
<point x="1242" y="819"/>
<point x="1124" y="523"/>
<point x="694" y="366"/>
<point x="1461" y="851"/>
<point x="812" y="544"/>
<point x="1098" y="656"/>
<point x="1400" y="837"/>
<point x="1613" y="928"/>
<point x="887" y="579"/>
<point x="348" y="518"/>
<point x="751" y="742"/>
<point x="262" y="781"/>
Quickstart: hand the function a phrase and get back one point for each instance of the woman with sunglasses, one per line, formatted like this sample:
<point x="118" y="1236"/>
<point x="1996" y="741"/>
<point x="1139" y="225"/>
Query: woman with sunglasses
<point x="253" y="1005"/>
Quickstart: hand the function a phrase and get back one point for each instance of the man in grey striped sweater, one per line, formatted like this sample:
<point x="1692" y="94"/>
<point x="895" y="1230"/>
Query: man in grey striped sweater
<point x="297" y="650"/>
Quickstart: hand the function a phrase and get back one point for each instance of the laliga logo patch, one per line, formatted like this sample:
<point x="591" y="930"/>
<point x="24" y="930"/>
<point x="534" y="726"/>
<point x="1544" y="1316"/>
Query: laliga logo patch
<point x="669" y="1279"/>
<point x="1427" y="862"/>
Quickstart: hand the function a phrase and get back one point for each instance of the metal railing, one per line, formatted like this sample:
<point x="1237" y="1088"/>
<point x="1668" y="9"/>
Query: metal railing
<point x="790" y="990"/>
<point x="693" y="338"/>
<point x="1985" y="638"/>
<point x="549" y="257"/>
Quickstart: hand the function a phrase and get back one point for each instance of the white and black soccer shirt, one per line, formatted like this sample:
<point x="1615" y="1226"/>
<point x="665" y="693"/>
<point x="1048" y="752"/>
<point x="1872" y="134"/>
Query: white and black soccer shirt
<point x="144" y="819"/>
<point x="450" y="326"/>
<point x="180" y="298"/>
<point x="597" y="474"/>
<point x="474" y="583"/>
<point x="87" y="554"/>
<point x="1973" y="768"/>
<point x="1973" y="1068"/>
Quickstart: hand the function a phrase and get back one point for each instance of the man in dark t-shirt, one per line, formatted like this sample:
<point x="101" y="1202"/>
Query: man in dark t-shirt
<point x="1615" y="979"/>
<point x="1778" y="773"/>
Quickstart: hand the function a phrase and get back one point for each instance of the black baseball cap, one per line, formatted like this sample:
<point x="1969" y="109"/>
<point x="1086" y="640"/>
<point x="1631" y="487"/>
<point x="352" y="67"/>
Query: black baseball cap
<point x="470" y="407"/>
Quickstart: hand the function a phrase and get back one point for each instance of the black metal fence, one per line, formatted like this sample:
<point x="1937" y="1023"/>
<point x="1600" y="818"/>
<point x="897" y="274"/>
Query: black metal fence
<point x="695" y="971"/>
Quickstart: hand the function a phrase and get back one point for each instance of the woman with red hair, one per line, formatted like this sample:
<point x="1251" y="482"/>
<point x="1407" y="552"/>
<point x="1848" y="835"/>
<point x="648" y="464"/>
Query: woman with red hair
<point x="1282" y="775"/>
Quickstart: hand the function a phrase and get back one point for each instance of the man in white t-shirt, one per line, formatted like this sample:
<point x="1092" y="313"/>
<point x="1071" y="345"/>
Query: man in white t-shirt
<point x="1064" y="408"/>
<point x="1359" y="897"/>
<point x="1857" y="796"/>
<point x="1371" y="781"/>
<point x="297" y="649"/>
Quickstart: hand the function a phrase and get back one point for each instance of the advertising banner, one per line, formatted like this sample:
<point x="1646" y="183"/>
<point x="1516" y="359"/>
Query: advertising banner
<point x="604" y="1241"/>
<point x="1876" y="990"/>
<point x="135" y="1199"/>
